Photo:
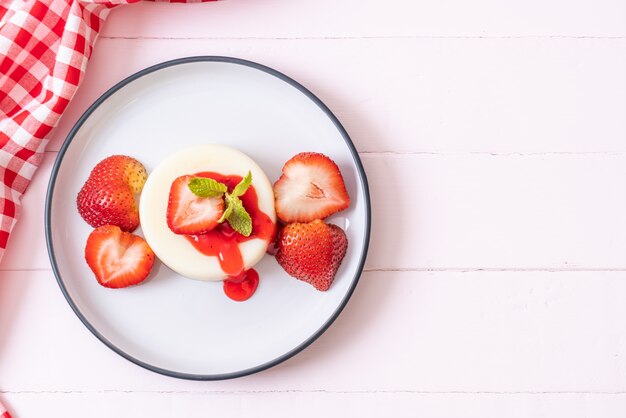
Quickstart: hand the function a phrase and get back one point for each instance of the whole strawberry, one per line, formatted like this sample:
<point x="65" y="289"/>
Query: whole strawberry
<point x="108" y="195"/>
<point x="312" y="252"/>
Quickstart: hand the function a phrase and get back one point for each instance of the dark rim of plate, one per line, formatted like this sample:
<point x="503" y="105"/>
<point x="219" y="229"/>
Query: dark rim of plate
<point x="157" y="67"/>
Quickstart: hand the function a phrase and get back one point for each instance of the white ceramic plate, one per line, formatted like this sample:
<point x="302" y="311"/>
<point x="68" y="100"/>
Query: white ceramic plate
<point x="178" y="326"/>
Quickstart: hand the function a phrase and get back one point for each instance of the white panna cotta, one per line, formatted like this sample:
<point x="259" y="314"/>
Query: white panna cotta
<point x="176" y="251"/>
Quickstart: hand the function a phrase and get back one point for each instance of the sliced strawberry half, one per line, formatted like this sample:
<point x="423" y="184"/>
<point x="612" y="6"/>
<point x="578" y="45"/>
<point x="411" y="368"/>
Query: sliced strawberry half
<point x="118" y="258"/>
<point x="189" y="214"/>
<point x="311" y="187"/>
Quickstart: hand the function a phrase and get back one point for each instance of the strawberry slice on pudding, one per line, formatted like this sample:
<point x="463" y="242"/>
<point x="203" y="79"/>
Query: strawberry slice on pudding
<point x="190" y="214"/>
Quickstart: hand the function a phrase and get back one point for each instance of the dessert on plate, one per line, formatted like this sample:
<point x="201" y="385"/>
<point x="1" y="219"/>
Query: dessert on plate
<point x="183" y="228"/>
<point x="210" y="213"/>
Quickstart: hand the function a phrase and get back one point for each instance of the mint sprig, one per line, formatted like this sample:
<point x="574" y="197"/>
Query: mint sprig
<point x="229" y="208"/>
<point x="239" y="219"/>
<point x="235" y="213"/>
<point x="206" y="187"/>
<point x="243" y="185"/>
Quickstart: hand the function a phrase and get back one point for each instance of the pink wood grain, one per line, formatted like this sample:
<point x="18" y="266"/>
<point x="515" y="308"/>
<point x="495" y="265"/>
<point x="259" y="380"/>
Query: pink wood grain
<point x="318" y="404"/>
<point x="27" y="245"/>
<point x="403" y="332"/>
<point x="407" y="95"/>
<point x="358" y="18"/>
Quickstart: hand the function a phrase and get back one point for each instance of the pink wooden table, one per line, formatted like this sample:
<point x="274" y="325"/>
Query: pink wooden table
<point x="494" y="137"/>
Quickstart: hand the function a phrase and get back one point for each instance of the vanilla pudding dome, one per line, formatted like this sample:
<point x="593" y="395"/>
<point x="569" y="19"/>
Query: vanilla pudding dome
<point x="186" y="254"/>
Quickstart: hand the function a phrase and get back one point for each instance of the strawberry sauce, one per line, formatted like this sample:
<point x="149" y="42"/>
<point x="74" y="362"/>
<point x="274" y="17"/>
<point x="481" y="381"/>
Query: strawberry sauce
<point x="242" y="287"/>
<point x="223" y="241"/>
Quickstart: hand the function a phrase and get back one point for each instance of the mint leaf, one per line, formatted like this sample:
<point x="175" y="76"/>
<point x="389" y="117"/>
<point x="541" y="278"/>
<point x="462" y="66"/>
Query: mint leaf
<point x="206" y="187"/>
<point x="236" y="215"/>
<point x="228" y="201"/>
<point x="239" y="219"/>
<point x="243" y="185"/>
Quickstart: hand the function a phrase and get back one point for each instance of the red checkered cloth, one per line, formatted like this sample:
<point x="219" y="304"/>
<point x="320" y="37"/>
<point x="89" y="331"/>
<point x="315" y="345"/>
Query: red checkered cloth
<point x="44" y="49"/>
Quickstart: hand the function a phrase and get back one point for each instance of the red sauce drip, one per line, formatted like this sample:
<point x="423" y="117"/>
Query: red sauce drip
<point x="223" y="241"/>
<point x="240" y="288"/>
